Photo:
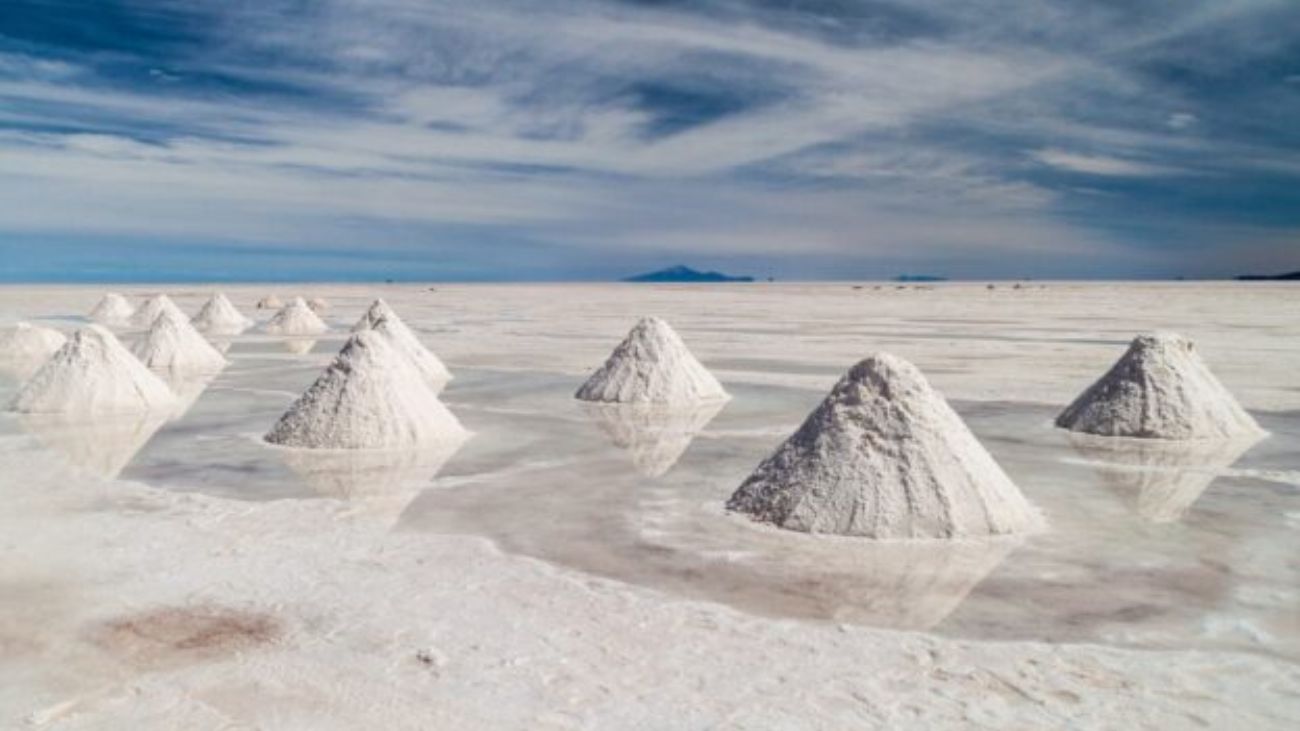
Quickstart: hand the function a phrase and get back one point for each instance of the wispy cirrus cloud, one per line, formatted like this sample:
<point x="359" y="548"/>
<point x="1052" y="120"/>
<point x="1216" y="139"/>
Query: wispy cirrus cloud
<point x="631" y="135"/>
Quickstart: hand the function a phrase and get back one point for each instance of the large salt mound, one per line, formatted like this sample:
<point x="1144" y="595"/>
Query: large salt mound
<point x="25" y="344"/>
<point x="219" y="317"/>
<point x="113" y="310"/>
<point x="173" y="344"/>
<point x="381" y="318"/>
<point x="92" y="373"/>
<point x="370" y="397"/>
<point x="652" y="365"/>
<point x="270" y="302"/>
<point x="296" y="318"/>
<point x="153" y="307"/>
<point x="884" y="456"/>
<point x="1159" y="389"/>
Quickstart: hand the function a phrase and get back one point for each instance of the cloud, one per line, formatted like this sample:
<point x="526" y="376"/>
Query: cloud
<point x="613" y="130"/>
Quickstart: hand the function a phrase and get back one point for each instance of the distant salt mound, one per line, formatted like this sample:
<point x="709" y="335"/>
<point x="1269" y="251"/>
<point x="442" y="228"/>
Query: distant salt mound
<point x="173" y="344"/>
<point x="296" y="318"/>
<point x="270" y="302"/>
<point x="1159" y="389"/>
<point x="91" y="374"/>
<point x="318" y="305"/>
<point x="652" y="365"/>
<point x="25" y="345"/>
<point x="382" y="319"/>
<point x="219" y="317"/>
<point x="370" y="397"/>
<point x="153" y="307"/>
<point x="884" y="456"/>
<point x="113" y="310"/>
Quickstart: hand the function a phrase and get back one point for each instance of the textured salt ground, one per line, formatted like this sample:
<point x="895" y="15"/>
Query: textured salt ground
<point x="557" y="656"/>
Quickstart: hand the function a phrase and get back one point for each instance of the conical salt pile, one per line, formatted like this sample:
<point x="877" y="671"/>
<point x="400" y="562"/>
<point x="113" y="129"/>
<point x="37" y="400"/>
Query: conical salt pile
<point x="219" y="317"/>
<point x="370" y="397"/>
<point x="270" y="302"/>
<point x="884" y="456"/>
<point x="318" y="305"/>
<point x="92" y="374"/>
<point x="381" y="318"/>
<point x="1159" y="389"/>
<point x="153" y="307"/>
<point x="295" y="319"/>
<point x="26" y="343"/>
<point x="652" y="365"/>
<point x="173" y="343"/>
<point x="113" y="310"/>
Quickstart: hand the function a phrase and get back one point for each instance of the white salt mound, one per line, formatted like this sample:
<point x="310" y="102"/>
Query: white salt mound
<point x="270" y="302"/>
<point x="296" y="318"/>
<point x="27" y="343"/>
<point x="370" y="397"/>
<point x="885" y="456"/>
<point x="219" y="317"/>
<point x="652" y="365"/>
<point x="173" y="343"/>
<point x="1159" y="389"/>
<point x="91" y="374"/>
<point x="318" y="305"/>
<point x="114" y="310"/>
<point x="382" y="319"/>
<point x="153" y="307"/>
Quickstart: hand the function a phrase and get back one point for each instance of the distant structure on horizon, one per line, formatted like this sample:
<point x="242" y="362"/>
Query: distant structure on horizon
<point x="919" y="278"/>
<point x="683" y="273"/>
<point x="1288" y="277"/>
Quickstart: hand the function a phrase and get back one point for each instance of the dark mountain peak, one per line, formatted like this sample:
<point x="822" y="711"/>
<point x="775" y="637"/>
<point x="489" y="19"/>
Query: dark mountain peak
<point x="683" y="273"/>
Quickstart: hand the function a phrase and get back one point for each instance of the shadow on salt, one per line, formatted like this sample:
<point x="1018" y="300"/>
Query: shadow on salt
<point x="1162" y="479"/>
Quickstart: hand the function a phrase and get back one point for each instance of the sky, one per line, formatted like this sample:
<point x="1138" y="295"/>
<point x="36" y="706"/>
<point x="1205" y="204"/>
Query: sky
<point x="193" y="140"/>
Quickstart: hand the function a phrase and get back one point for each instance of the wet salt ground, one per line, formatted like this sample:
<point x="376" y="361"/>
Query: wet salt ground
<point x="605" y="491"/>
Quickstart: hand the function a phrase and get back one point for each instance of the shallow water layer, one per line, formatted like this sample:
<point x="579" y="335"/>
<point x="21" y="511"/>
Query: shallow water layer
<point x="1149" y="548"/>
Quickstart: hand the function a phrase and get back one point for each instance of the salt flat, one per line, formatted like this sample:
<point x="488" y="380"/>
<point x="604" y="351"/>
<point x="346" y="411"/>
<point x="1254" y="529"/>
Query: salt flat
<point x="570" y="566"/>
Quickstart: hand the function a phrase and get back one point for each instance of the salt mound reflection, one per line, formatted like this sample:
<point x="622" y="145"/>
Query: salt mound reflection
<point x="375" y="482"/>
<point x="654" y="436"/>
<point x="299" y="346"/>
<point x="100" y="447"/>
<point x="1166" y="476"/>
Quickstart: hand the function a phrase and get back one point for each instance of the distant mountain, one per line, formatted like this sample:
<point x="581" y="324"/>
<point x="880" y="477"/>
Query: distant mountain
<point x="682" y="273"/>
<point x="919" y="278"/>
<point x="1288" y="277"/>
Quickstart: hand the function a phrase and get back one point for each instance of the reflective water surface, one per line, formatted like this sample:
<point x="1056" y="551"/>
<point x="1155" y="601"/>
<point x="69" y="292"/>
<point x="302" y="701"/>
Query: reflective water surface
<point x="1149" y="545"/>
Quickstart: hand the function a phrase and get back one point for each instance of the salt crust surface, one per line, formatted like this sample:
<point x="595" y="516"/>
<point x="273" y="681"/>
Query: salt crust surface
<point x="173" y="344"/>
<point x="652" y="365"/>
<point x="1159" y="389"/>
<point x="295" y="318"/>
<point x="92" y="373"/>
<point x="220" y="317"/>
<point x="113" y="310"/>
<point x="370" y="397"/>
<point x="884" y="456"/>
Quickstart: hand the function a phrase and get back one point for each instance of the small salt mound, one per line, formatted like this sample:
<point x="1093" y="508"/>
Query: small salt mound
<point x="652" y="365"/>
<point x="381" y="318"/>
<point x="884" y="456"/>
<point x="370" y="397"/>
<point x="153" y="307"/>
<point x="25" y="345"/>
<point x="113" y="310"/>
<point x="219" y="317"/>
<point x="270" y="302"/>
<point x="318" y="305"/>
<point x="1159" y="389"/>
<point x="295" y="319"/>
<point x="173" y="344"/>
<point x="92" y="373"/>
